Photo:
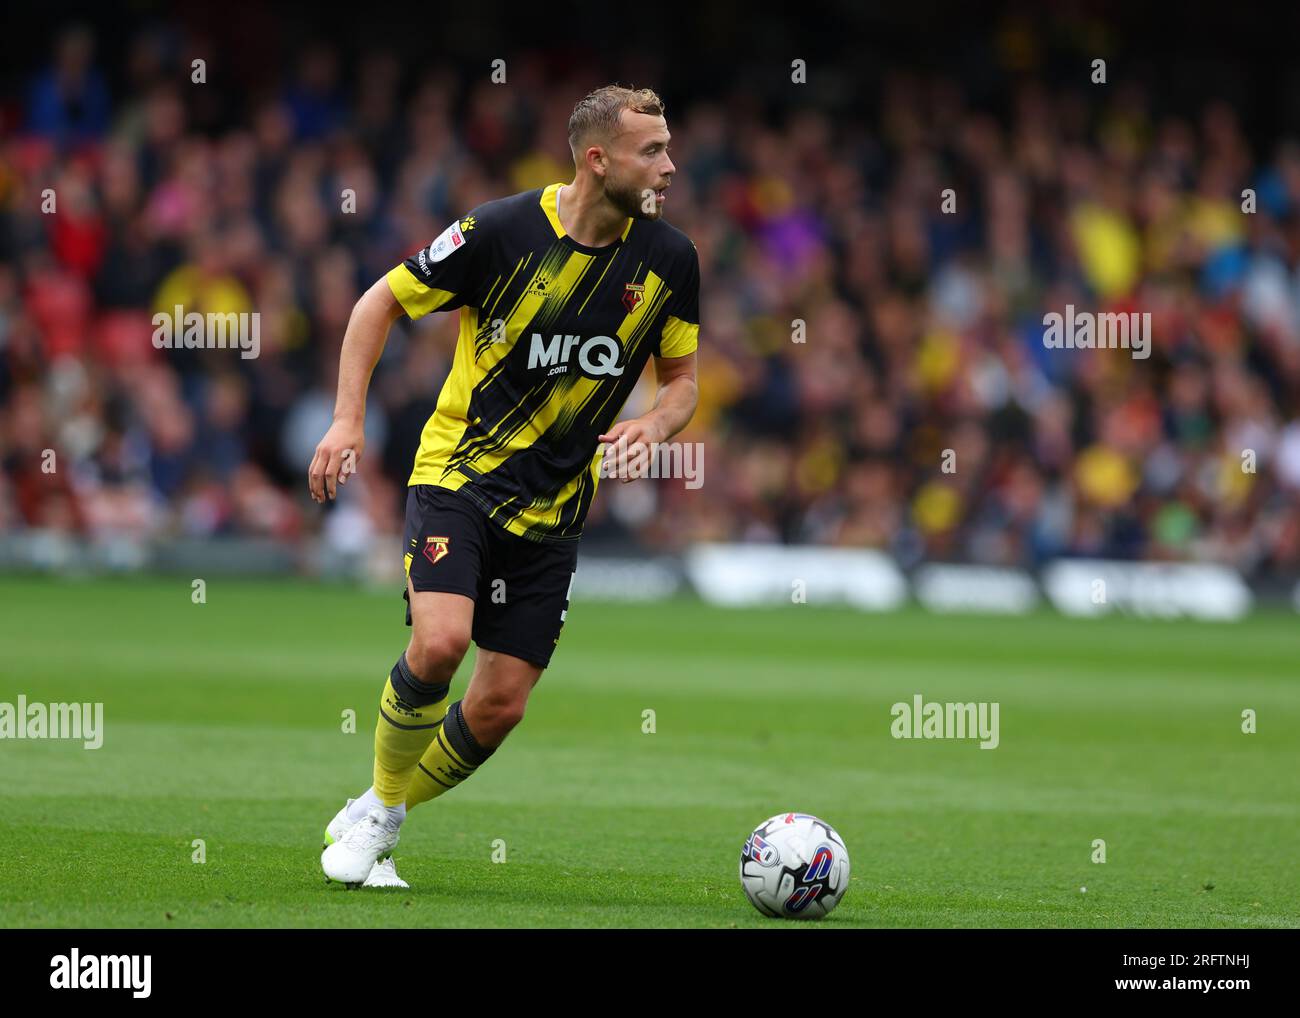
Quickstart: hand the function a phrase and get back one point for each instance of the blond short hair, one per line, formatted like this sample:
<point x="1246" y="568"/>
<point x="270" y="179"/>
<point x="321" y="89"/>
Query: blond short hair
<point x="597" y="114"/>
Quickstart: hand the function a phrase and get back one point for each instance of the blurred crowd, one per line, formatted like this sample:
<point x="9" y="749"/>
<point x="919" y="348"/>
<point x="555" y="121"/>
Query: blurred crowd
<point x="872" y="367"/>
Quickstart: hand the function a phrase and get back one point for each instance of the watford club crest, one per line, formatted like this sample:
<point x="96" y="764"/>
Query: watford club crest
<point x="633" y="296"/>
<point x="436" y="548"/>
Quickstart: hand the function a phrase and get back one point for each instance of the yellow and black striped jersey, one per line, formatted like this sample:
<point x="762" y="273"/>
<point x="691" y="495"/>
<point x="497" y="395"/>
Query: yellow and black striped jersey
<point x="553" y="337"/>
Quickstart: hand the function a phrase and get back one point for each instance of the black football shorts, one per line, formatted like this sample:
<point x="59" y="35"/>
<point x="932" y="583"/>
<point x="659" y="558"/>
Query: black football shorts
<point x="520" y="588"/>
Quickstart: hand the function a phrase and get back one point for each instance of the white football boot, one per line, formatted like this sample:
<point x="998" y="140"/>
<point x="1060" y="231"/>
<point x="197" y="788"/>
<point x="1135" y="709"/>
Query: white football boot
<point x="384" y="874"/>
<point x="337" y="827"/>
<point x="360" y="852"/>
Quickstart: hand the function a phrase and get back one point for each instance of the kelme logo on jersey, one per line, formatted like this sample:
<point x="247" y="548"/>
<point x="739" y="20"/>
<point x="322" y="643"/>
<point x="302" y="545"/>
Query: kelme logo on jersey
<point x="599" y="355"/>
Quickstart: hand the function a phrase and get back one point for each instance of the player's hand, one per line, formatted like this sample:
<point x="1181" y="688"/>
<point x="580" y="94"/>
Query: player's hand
<point x="337" y="456"/>
<point x="626" y="439"/>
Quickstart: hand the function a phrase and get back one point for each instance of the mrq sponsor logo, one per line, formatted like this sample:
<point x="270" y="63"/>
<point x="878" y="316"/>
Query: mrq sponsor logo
<point x="23" y="720"/>
<point x="77" y="971"/>
<point x="182" y="330"/>
<point x="597" y="356"/>
<point x="1084" y="330"/>
<point x="921" y="720"/>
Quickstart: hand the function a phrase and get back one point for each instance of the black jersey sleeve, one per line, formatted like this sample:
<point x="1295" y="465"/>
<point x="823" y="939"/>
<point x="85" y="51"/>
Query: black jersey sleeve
<point x="446" y="274"/>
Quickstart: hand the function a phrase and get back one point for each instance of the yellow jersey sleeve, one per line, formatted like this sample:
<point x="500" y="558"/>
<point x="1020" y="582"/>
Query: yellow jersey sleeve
<point x="681" y="330"/>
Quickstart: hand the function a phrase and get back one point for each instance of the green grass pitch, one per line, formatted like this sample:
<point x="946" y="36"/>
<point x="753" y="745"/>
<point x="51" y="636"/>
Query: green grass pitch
<point x="223" y="722"/>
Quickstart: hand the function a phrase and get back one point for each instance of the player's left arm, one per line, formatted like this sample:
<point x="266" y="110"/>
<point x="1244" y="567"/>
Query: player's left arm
<point x="675" y="370"/>
<point x="674" y="406"/>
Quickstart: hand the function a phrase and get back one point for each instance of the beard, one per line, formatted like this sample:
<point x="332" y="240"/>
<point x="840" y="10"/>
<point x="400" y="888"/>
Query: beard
<point x="628" y="200"/>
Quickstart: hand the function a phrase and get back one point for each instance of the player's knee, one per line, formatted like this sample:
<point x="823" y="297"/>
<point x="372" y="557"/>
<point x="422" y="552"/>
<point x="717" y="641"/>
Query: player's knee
<point x="435" y="656"/>
<point x="501" y="711"/>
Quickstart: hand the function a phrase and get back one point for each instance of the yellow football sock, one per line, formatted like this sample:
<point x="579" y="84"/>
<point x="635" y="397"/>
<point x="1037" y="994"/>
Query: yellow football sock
<point x="452" y="756"/>
<point x="404" y="730"/>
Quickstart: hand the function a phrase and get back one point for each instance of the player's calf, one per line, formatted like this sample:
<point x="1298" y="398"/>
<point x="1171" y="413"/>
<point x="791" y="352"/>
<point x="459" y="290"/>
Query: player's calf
<point x="498" y="694"/>
<point x="492" y="716"/>
<point x="475" y="726"/>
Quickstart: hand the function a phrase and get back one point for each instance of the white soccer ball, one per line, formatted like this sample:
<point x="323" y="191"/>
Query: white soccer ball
<point x="794" y="866"/>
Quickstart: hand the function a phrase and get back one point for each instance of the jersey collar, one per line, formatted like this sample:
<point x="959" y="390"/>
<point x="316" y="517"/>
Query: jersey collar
<point x="550" y="205"/>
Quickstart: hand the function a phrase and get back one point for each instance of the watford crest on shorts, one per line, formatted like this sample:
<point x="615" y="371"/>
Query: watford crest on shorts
<point x="436" y="548"/>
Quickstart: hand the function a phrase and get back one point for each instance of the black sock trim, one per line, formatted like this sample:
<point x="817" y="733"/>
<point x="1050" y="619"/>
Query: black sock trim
<point x="411" y="688"/>
<point x="407" y="728"/>
<point x="457" y="761"/>
<point x="434" y="776"/>
<point x="461" y="739"/>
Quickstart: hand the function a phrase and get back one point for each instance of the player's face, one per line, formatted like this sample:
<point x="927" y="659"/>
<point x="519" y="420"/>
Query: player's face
<point x="639" y="170"/>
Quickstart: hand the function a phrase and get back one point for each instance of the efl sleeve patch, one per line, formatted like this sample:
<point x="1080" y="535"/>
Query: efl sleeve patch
<point x="448" y="243"/>
<point x="439" y="277"/>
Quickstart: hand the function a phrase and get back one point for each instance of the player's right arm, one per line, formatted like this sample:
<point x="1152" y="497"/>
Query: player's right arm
<point x="363" y="342"/>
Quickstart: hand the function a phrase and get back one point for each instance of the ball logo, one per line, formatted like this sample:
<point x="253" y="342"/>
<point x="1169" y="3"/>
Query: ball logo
<point x="802" y="898"/>
<point x="819" y="866"/>
<point x="760" y="851"/>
